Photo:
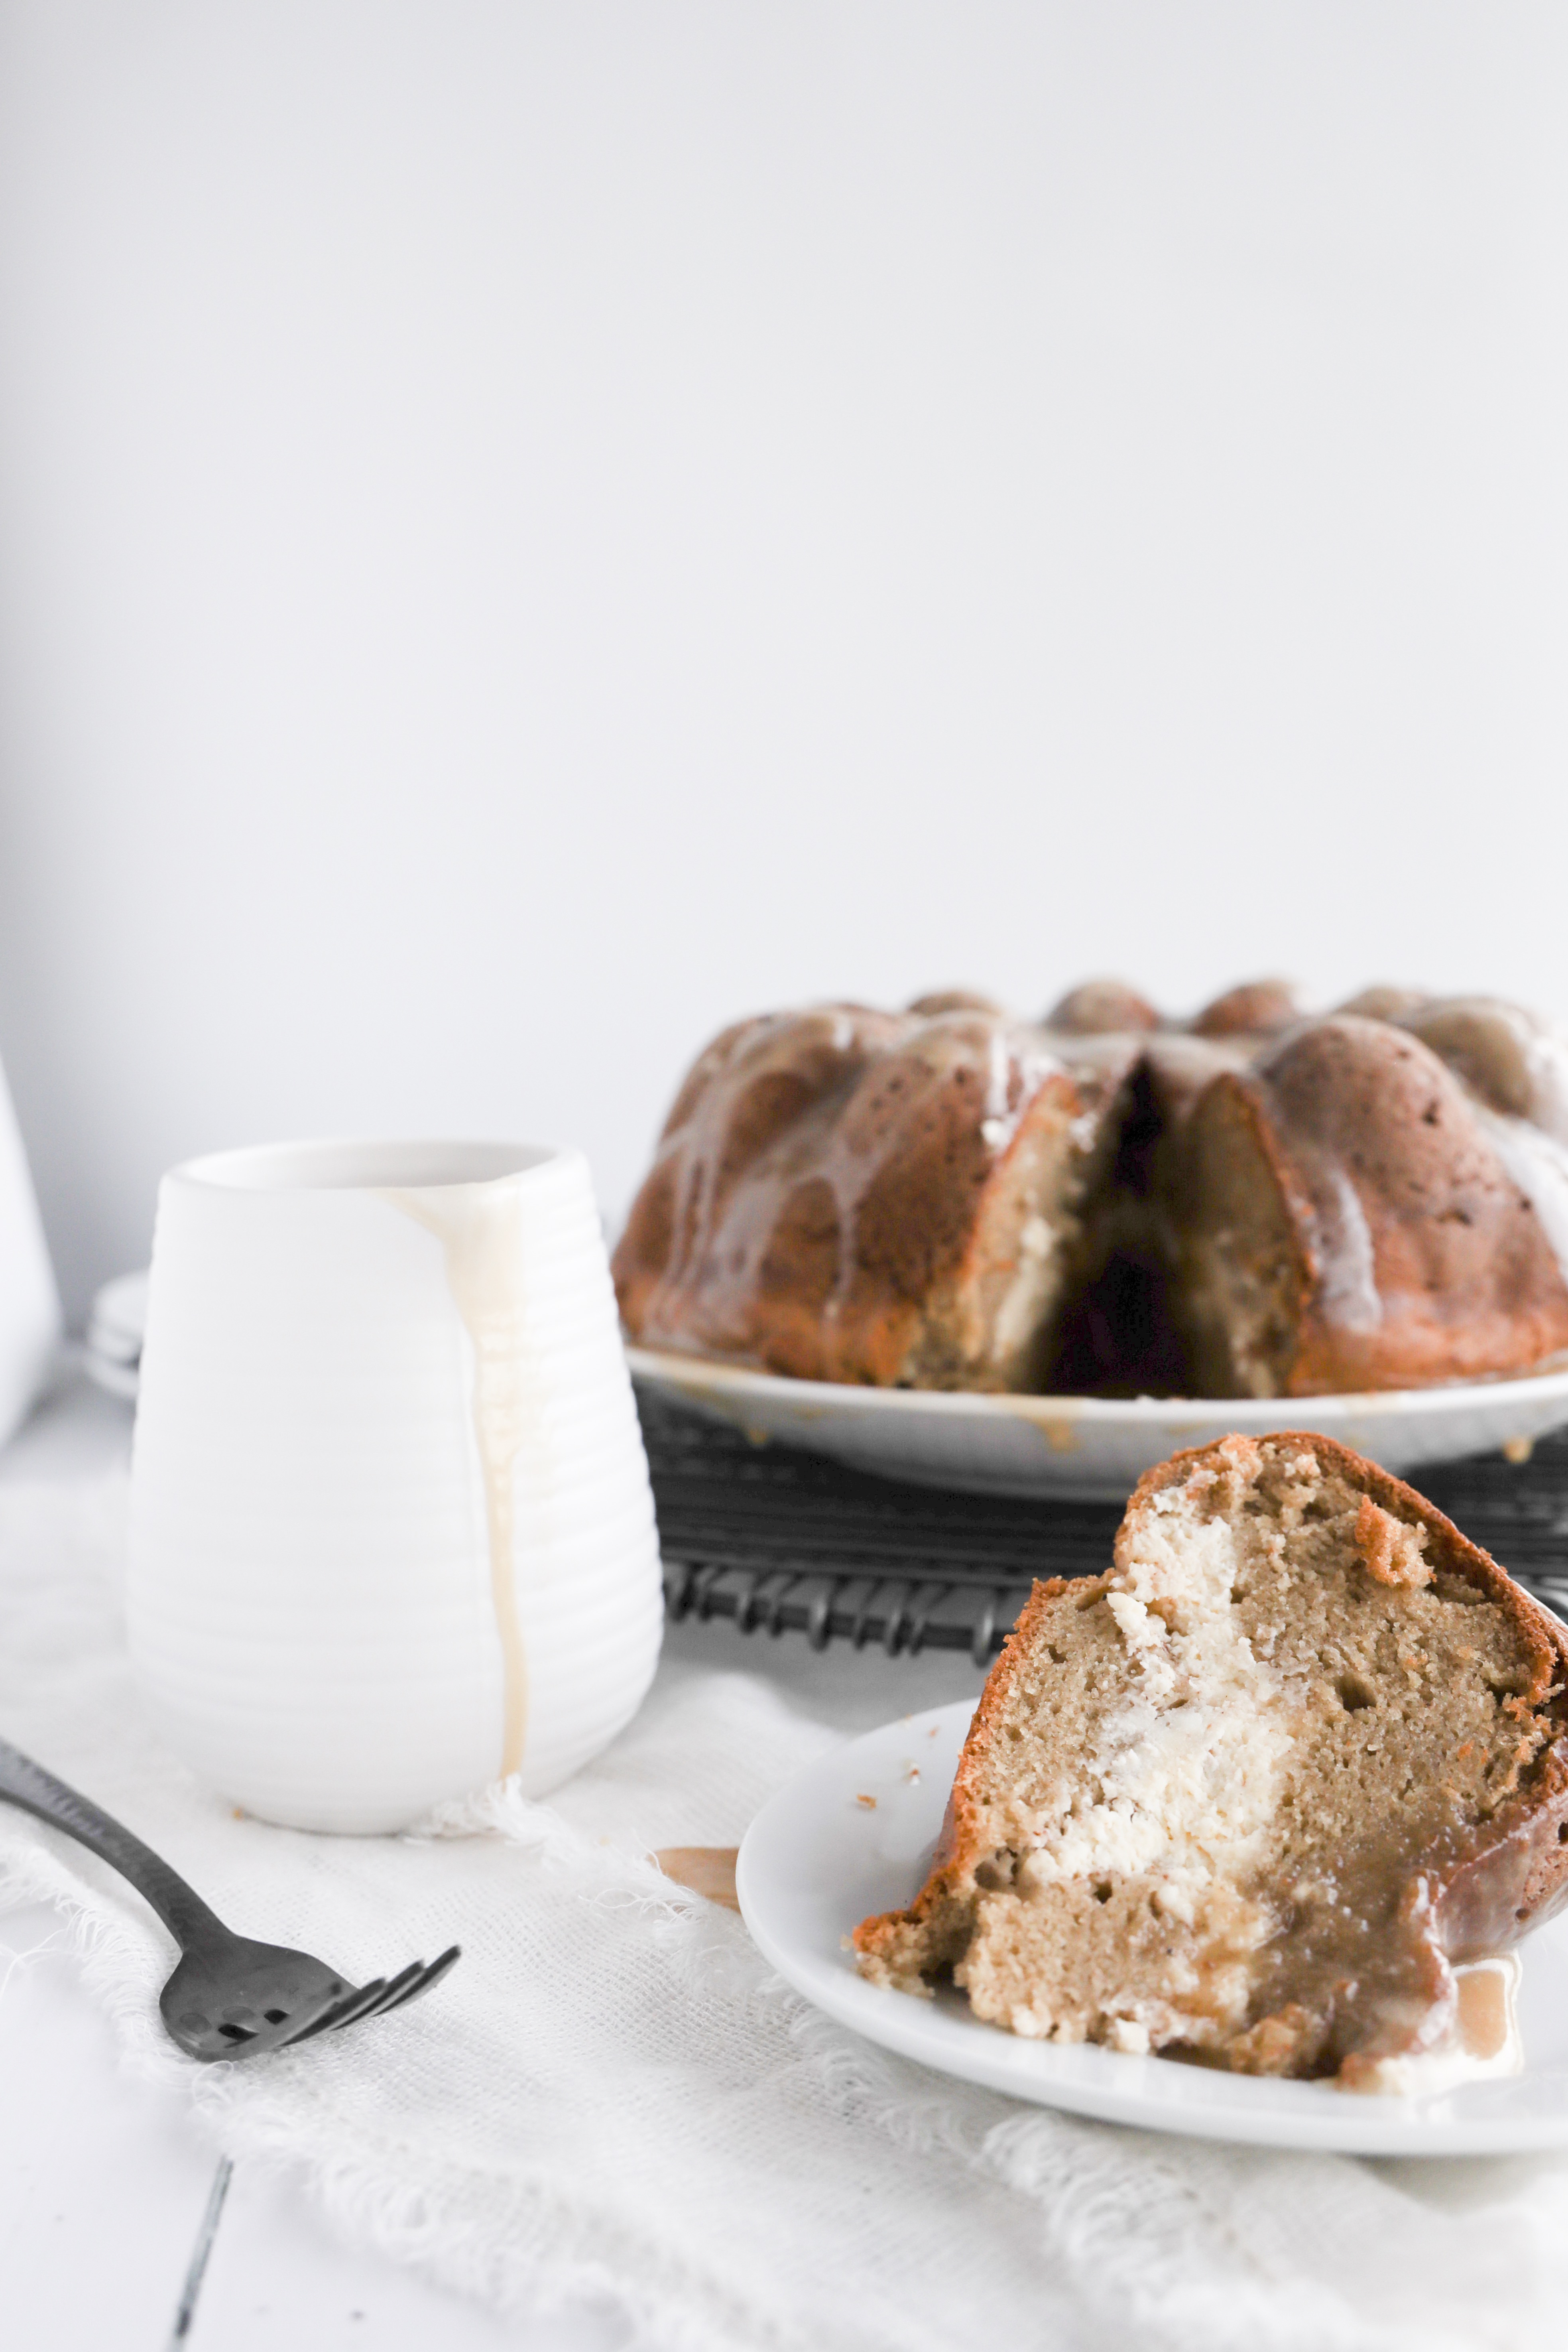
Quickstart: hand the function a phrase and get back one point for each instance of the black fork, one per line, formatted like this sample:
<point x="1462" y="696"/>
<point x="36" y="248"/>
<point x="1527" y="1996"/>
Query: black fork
<point x="228" y="1998"/>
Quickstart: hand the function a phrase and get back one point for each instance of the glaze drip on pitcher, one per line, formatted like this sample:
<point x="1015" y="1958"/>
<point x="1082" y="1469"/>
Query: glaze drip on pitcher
<point x="479" y="1227"/>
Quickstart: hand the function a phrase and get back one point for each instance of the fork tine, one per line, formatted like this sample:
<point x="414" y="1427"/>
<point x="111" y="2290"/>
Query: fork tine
<point x="413" y="1981"/>
<point x="374" y="2000"/>
<point x="341" y="2012"/>
<point x="426" y="1978"/>
<point x="360" y="2005"/>
<point x="390" y="1994"/>
<point x="429" y="1977"/>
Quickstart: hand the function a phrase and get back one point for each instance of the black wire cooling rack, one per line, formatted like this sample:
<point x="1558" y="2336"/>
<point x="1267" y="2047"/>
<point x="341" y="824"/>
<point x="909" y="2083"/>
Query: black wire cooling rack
<point x="784" y="1541"/>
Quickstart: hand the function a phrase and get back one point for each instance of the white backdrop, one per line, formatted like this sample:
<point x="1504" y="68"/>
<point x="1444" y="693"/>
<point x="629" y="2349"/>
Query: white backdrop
<point x="528" y="529"/>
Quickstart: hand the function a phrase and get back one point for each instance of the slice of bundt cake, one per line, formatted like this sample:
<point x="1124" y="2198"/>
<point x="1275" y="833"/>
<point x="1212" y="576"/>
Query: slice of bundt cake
<point x="1254" y="1794"/>
<point x="883" y="1197"/>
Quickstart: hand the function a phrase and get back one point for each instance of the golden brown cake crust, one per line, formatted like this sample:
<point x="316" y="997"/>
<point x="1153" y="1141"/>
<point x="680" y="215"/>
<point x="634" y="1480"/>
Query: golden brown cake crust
<point x="955" y="1000"/>
<point x="849" y="1196"/>
<point x="1415" y="1258"/>
<point x="1099" y="1007"/>
<point x="1257" y="1008"/>
<point x="962" y="1845"/>
<point x="1478" y="1888"/>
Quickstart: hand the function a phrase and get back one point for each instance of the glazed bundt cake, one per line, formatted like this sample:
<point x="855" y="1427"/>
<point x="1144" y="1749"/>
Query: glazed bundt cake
<point x="1256" y="1794"/>
<point x="892" y="1198"/>
<point x="1254" y="1204"/>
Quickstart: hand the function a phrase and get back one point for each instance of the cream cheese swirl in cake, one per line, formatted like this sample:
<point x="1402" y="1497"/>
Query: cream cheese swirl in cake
<point x="1186" y="1769"/>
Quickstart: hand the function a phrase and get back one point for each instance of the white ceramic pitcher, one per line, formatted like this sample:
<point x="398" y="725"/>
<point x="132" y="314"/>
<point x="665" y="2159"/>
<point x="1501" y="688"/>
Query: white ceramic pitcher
<point x="392" y="1535"/>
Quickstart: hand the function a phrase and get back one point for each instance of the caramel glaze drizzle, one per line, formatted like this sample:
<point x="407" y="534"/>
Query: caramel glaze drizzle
<point x="788" y="1133"/>
<point x="796" y="1119"/>
<point x="479" y="1227"/>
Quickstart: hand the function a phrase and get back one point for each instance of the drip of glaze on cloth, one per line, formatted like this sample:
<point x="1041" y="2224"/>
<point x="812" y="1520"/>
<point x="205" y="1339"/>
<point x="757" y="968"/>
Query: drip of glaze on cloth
<point x="479" y="1227"/>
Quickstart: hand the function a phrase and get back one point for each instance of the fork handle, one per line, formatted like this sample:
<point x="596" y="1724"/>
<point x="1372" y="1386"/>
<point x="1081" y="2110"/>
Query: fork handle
<point x="179" y="1907"/>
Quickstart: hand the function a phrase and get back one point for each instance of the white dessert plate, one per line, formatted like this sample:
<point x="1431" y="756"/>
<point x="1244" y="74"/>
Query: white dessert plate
<point x="818" y="1859"/>
<point x="1090" y="1445"/>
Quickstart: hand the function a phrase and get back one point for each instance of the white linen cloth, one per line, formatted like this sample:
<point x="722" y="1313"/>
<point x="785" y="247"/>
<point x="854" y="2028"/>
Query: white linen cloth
<point x="612" y="2098"/>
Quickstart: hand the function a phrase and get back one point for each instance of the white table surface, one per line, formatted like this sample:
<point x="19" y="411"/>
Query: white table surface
<point x="105" y="2183"/>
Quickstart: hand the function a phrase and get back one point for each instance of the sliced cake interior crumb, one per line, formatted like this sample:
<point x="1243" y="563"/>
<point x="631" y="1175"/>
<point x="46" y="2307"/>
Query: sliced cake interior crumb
<point x="1197" y="1815"/>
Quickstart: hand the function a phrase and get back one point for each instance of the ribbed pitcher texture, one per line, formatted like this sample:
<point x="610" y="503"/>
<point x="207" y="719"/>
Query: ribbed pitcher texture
<point x="391" y="1534"/>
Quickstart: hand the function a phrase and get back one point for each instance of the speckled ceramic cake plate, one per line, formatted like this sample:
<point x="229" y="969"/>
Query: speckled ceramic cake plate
<point x="852" y="1834"/>
<point x="1091" y="1445"/>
